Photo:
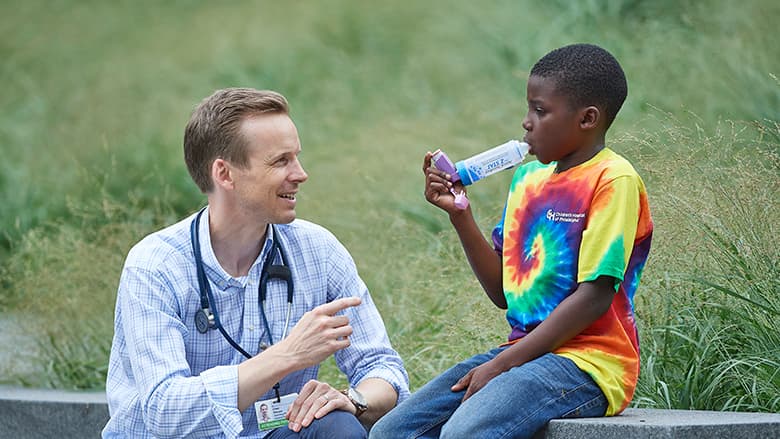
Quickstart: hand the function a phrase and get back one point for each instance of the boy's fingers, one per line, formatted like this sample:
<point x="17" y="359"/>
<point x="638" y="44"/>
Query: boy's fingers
<point x="427" y="162"/>
<point x="462" y="383"/>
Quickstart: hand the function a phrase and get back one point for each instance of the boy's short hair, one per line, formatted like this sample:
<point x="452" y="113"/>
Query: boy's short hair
<point x="586" y="74"/>
<point x="213" y="129"/>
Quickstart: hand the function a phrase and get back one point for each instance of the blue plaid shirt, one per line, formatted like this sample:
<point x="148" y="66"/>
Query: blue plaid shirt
<point x="167" y="379"/>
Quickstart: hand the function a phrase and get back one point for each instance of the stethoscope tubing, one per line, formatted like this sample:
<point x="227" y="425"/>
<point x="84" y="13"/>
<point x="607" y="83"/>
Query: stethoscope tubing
<point x="208" y="310"/>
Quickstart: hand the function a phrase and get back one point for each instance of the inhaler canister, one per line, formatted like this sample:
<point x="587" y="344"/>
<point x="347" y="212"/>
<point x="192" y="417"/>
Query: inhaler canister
<point x="487" y="163"/>
<point x="443" y="163"/>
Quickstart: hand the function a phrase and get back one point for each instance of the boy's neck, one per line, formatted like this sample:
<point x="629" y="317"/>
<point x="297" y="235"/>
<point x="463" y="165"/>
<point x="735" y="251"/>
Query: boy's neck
<point x="580" y="155"/>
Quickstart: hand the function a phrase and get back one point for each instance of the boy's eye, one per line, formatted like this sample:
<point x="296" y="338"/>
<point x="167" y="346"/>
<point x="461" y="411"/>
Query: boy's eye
<point x="539" y="110"/>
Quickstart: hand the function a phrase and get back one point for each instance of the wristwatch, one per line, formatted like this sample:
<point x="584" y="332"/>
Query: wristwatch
<point x="358" y="400"/>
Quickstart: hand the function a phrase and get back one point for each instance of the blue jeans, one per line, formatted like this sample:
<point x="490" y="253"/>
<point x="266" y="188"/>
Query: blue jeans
<point x="335" y="425"/>
<point x="515" y="404"/>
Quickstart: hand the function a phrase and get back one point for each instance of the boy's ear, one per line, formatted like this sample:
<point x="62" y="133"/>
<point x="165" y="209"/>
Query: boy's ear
<point x="590" y="117"/>
<point x="221" y="174"/>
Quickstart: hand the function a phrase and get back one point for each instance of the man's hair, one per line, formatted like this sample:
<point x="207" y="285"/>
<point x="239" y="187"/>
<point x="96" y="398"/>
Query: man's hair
<point x="213" y="129"/>
<point x="586" y="75"/>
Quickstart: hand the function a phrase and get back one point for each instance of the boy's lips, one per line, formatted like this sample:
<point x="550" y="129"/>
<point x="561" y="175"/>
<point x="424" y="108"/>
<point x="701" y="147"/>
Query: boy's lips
<point x="531" y="149"/>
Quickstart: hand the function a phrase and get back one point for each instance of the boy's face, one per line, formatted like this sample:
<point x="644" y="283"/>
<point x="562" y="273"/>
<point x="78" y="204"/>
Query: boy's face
<point x="552" y="124"/>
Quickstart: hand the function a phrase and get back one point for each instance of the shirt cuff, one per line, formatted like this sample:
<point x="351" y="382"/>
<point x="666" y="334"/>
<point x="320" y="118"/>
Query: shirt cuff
<point x="221" y="385"/>
<point x="395" y="378"/>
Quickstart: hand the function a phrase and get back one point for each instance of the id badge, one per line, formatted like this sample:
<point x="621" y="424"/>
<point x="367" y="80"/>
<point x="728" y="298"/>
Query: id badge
<point x="271" y="413"/>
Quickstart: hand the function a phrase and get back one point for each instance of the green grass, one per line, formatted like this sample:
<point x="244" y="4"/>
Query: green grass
<point x="97" y="94"/>
<point x="709" y="333"/>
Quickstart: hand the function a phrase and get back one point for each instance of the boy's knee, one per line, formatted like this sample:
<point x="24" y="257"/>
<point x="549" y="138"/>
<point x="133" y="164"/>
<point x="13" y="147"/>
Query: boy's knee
<point x="454" y="430"/>
<point x="382" y="429"/>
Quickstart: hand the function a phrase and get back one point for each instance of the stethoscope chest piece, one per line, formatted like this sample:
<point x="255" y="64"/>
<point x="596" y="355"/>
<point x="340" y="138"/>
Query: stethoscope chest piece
<point x="204" y="320"/>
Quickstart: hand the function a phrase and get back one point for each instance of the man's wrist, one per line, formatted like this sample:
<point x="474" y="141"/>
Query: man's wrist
<point x="357" y="399"/>
<point x="278" y="355"/>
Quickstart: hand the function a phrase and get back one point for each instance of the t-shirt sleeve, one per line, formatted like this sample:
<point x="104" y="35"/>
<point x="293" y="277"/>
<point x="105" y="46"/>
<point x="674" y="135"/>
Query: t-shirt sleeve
<point x="498" y="234"/>
<point x="609" y="235"/>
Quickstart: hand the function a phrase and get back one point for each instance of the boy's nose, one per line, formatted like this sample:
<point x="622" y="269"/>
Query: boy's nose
<point x="526" y="123"/>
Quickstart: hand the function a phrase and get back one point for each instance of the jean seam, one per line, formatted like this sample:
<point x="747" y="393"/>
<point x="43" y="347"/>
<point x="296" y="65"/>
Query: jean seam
<point x="584" y="406"/>
<point x="427" y="427"/>
<point x="509" y="432"/>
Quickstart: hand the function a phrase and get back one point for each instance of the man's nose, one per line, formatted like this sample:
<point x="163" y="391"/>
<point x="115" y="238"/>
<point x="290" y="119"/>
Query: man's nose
<point x="299" y="174"/>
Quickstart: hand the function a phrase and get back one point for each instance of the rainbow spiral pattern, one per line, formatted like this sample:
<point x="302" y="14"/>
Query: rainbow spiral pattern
<point x="559" y="230"/>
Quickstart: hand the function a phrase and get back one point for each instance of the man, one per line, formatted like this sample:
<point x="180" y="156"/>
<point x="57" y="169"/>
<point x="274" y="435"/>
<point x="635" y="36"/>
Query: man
<point x="237" y="305"/>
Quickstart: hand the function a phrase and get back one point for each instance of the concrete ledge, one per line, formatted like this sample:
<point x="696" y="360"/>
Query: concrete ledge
<point x="42" y="413"/>
<point x="662" y="424"/>
<point x="39" y="413"/>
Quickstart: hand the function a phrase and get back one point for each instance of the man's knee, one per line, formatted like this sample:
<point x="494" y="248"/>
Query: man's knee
<point x="336" y="424"/>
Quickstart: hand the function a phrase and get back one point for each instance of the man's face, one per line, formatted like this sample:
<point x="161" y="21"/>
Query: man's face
<point x="267" y="187"/>
<point x="552" y="125"/>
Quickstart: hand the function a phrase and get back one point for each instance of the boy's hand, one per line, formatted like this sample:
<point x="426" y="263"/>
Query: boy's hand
<point x="438" y="185"/>
<point x="477" y="378"/>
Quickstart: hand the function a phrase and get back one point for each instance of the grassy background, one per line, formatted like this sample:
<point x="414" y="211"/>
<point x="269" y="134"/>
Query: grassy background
<point x="96" y="95"/>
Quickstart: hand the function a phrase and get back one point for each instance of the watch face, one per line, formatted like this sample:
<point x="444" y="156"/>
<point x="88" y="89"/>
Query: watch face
<point x="356" y="396"/>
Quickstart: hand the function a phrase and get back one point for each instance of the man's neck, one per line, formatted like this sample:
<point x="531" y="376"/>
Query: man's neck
<point x="236" y="241"/>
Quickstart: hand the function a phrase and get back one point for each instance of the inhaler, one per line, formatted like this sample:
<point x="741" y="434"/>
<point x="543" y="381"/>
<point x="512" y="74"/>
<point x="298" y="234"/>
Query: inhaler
<point x="476" y="168"/>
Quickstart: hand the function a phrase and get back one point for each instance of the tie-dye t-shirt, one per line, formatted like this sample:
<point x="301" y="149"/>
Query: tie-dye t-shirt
<point x="562" y="229"/>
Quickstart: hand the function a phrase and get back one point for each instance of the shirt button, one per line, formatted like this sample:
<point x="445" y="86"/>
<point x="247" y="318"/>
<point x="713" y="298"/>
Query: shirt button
<point x="251" y="327"/>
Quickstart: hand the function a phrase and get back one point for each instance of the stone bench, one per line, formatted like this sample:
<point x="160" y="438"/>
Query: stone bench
<point x="662" y="424"/>
<point x="42" y="413"/>
<point x="38" y="413"/>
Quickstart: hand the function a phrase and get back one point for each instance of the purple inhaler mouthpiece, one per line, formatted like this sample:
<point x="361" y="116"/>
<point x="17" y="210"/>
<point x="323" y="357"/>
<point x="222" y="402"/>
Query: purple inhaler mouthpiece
<point x="443" y="163"/>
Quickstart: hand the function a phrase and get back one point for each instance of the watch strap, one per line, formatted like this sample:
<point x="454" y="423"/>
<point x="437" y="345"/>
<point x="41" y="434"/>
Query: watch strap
<point x="359" y="408"/>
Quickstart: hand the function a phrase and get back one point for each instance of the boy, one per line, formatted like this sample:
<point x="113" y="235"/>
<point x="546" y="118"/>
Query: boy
<point x="565" y="263"/>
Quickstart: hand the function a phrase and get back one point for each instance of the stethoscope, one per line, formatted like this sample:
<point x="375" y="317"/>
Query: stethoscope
<point x="207" y="317"/>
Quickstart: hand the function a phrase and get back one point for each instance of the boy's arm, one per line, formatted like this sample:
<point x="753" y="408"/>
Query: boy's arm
<point x="484" y="261"/>
<point x="575" y="313"/>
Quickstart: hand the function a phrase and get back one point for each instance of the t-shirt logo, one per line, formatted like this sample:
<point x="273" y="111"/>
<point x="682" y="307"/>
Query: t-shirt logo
<point x="566" y="217"/>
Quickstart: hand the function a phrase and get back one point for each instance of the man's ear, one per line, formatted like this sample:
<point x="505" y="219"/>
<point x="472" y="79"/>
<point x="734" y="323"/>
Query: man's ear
<point x="221" y="174"/>
<point x="590" y="118"/>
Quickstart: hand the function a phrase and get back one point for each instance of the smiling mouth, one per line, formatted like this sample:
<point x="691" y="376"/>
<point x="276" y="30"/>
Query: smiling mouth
<point x="288" y="196"/>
